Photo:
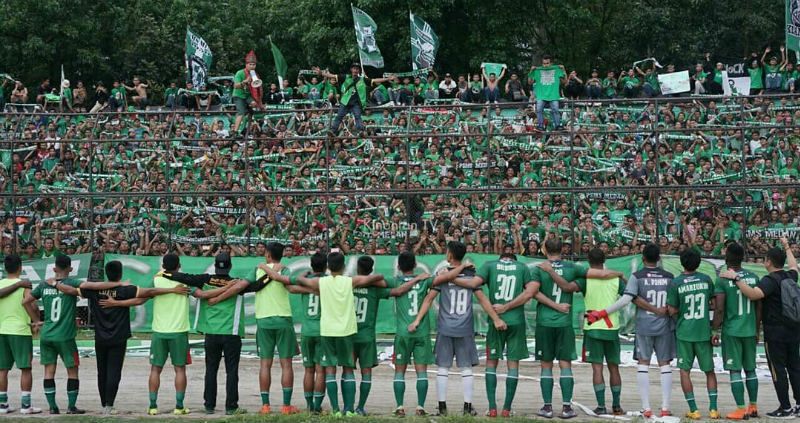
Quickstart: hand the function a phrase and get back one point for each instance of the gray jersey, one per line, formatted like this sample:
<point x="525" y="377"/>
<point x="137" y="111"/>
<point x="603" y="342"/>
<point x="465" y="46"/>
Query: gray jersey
<point x="651" y="284"/>
<point x="455" y="309"/>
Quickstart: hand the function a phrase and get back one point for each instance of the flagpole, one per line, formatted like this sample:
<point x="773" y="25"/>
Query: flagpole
<point x="360" y="61"/>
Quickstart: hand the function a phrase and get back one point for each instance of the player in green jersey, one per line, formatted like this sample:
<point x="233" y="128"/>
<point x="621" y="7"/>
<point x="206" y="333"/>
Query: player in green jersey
<point x="690" y="297"/>
<point x="18" y="323"/>
<point x="738" y="317"/>
<point x="555" y="337"/>
<point x="509" y="286"/>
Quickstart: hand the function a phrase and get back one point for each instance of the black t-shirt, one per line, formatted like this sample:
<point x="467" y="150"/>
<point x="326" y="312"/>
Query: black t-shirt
<point x="776" y="328"/>
<point x="111" y="325"/>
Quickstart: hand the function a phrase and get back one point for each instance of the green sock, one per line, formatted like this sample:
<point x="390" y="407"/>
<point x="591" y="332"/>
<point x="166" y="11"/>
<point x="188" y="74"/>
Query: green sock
<point x="737" y="387"/>
<point x="287" y="396"/>
<point x="690" y="400"/>
<point x="511" y="387"/>
<point x="349" y="391"/>
<point x="153" y="399"/>
<point x="546" y="386"/>
<point x="73" y="387"/>
<point x="491" y="387"/>
<point x="399" y="386"/>
<point x="422" y="388"/>
<point x="179" y="396"/>
<point x="50" y="393"/>
<point x="363" y="391"/>
<point x="600" y="394"/>
<point x="309" y="397"/>
<point x="4" y="398"/>
<point x="751" y="382"/>
<point x="567" y="385"/>
<point x="333" y="392"/>
<point x="264" y="398"/>
<point x="26" y="399"/>
<point x="616" y="391"/>
<point x="318" y="398"/>
<point x="712" y="399"/>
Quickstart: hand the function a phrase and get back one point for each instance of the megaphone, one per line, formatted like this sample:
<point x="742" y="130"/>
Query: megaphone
<point x="256" y="81"/>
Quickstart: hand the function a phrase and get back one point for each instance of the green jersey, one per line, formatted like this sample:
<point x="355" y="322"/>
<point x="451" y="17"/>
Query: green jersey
<point x="505" y="279"/>
<point x="311" y="313"/>
<point x="546" y="316"/>
<point x="170" y="311"/>
<point x="691" y="294"/>
<point x="407" y="307"/>
<point x="59" y="311"/>
<point x="740" y="312"/>
<point x="223" y="318"/>
<point x="367" y="301"/>
<point x="238" y="78"/>
<point x="548" y="82"/>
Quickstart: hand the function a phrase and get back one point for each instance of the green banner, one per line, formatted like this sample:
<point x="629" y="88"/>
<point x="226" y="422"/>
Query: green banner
<point x="368" y="50"/>
<point x="39" y="270"/>
<point x="140" y="271"/>
<point x="424" y="43"/>
<point x="793" y="25"/>
<point x="198" y="60"/>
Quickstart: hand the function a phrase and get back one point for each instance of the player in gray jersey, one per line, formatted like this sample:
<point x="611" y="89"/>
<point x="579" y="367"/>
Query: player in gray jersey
<point x="655" y="330"/>
<point x="455" y="332"/>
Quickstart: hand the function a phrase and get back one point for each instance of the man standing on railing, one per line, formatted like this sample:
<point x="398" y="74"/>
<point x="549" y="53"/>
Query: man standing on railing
<point x="548" y="78"/>
<point x="241" y="82"/>
<point x="354" y="94"/>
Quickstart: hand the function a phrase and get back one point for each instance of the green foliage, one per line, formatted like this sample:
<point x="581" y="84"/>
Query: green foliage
<point x="103" y="39"/>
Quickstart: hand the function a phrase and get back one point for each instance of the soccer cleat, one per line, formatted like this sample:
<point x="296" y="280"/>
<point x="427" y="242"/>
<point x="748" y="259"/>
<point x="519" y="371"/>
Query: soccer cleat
<point x="361" y="412"/>
<point x="180" y="411"/>
<point x="781" y="414"/>
<point x="469" y="410"/>
<point x="399" y="412"/>
<point x="693" y="415"/>
<point x="567" y="412"/>
<point x="442" y="410"/>
<point x="600" y="411"/>
<point x="714" y="415"/>
<point x="752" y="411"/>
<point x="337" y="415"/>
<point x="75" y="410"/>
<point x="350" y="414"/>
<point x="5" y="409"/>
<point x="420" y="412"/>
<point x="30" y="410"/>
<point x="287" y="410"/>
<point x="209" y="410"/>
<point x="152" y="411"/>
<point x="491" y="413"/>
<point x="235" y="412"/>
<point x="506" y="413"/>
<point x="54" y="411"/>
<point x="739" y="414"/>
<point x="265" y="409"/>
<point x="617" y="411"/>
<point x="647" y="413"/>
<point x="665" y="413"/>
<point x="546" y="411"/>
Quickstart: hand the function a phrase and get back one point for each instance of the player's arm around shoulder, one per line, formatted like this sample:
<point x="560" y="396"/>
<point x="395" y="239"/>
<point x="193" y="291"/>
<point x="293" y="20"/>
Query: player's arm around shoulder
<point x="408" y="285"/>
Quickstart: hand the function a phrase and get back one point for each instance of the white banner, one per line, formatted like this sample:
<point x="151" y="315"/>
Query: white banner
<point x="735" y="86"/>
<point x="674" y="83"/>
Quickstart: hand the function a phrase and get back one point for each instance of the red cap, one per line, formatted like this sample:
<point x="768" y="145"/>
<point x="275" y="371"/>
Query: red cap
<point x="251" y="57"/>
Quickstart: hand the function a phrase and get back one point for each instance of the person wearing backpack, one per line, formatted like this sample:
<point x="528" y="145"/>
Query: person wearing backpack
<point x="780" y="297"/>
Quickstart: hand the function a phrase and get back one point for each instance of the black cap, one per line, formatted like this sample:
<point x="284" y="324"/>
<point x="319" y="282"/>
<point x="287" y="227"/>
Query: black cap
<point x="222" y="263"/>
<point x="355" y="65"/>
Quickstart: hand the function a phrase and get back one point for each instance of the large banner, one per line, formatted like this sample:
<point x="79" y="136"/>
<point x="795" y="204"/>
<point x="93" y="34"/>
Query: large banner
<point x="424" y="43"/>
<point x="39" y="270"/>
<point x="736" y="79"/>
<point x="368" y="50"/>
<point x="198" y="60"/>
<point x="793" y="25"/>
<point x="141" y="270"/>
<point x="674" y="83"/>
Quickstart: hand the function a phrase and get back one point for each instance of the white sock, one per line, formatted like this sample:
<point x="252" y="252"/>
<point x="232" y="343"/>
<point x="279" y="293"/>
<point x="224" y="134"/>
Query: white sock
<point x="666" y="386"/>
<point x="467" y="382"/>
<point x="643" y="382"/>
<point x="441" y="383"/>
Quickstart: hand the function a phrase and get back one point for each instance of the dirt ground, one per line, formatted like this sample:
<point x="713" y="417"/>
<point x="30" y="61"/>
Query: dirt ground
<point x="133" y="397"/>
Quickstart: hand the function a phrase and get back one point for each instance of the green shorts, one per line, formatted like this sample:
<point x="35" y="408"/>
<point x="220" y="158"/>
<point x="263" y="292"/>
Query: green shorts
<point x="512" y="339"/>
<point x="311" y="350"/>
<point x="337" y="351"/>
<point x="702" y="350"/>
<point x="366" y="354"/>
<point x="739" y="353"/>
<point x="597" y="350"/>
<point x="267" y="340"/>
<point x="174" y="345"/>
<point x="555" y="343"/>
<point x="67" y="350"/>
<point x="406" y="347"/>
<point x="16" y="349"/>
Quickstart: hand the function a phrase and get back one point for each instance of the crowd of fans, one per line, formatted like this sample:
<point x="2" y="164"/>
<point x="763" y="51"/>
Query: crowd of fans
<point x="467" y="164"/>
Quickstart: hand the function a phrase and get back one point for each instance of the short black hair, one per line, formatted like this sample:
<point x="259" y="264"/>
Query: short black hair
<point x="63" y="262"/>
<point x="734" y="254"/>
<point x="406" y="261"/>
<point x="553" y="245"/>
<point x="777" y="257"/>
<point x="511" y="256"/>
<point x="547" y="57"/>
<point x="114" y="271"/>
<point x="364" y="265"/>
<point x="171" y="262"/>
<point x="12" y="263"/>
<point x="319" y="262"/>
<point x="336" y="262"/>
<point x="457" y="249"/>
<point x="596" y="257"/>
<point x="651" y="253"/>
<point x="275" y="250"/>
<point x="690" y="259"/>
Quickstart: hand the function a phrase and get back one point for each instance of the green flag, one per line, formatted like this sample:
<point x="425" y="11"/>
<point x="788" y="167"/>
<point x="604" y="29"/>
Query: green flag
<point x="198" y="60"/>
<point x="493" y="68"/>
<point x="280" y="63"/>
<point x="424" y="43"/>
<point x="793" y="25"/>
<point x="368" y="51"/>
